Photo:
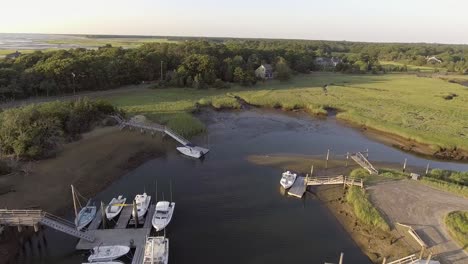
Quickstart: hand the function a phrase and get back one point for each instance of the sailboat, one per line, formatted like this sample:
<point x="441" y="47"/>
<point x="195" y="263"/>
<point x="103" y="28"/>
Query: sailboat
<point x="108" y="253"/>
<point x="287" y="179"/>
<point x="86" y="214"/>
<point x="115" y="207"/>
<point x="163" y="215"/>
<point x="142" y="203"/>
<point x="156" y="250"/>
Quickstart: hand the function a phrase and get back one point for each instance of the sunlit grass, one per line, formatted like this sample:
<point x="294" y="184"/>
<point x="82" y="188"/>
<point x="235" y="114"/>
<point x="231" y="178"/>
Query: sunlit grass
<point x="401" y="104"/>
<point x="457" y="225"/>
<point x="364" y="209"/>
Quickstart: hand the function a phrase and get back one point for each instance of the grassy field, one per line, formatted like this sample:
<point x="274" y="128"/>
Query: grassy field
<point x="410" y="67"/>
<point x="457" y="189"/>
<point x="116" y="42"/>
<point x="457" y="224"/>
<point x="405" y="105"/>
<point x="364" y="209"/>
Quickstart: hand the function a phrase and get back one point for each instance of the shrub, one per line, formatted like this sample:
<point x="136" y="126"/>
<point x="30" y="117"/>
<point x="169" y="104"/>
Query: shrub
<point x="364" y="210"/>
<point x="457" y="225"/>
<point x="35" y="131"/>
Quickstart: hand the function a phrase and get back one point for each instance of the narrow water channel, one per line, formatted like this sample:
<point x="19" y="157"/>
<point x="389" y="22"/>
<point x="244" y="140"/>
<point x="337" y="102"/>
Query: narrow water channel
<point x="231" y="211"/>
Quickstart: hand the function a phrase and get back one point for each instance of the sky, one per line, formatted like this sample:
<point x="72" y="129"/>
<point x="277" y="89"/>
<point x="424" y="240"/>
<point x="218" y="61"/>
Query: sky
<point x="441" y="21"/>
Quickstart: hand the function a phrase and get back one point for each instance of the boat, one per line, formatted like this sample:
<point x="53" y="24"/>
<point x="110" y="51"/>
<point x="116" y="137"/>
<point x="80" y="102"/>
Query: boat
<point x="191" y="151"/>
<point x="85" y="216"/>
<point x="156" y="250"/>
<point x="162" y="215"/>
<point x="115" y="207"/>
<point x="142" y="203"/>
<point x="287" y="179"/>
<point x="107" y="253"/>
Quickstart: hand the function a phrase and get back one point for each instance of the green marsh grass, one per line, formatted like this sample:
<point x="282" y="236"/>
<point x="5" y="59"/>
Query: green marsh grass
<point x="364" y="209"/>
<point x="457" y="225"/>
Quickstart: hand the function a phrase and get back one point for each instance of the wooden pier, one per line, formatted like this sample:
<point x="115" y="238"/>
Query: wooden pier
<point x="122" y="234"/>
<point x="300" y="185"/>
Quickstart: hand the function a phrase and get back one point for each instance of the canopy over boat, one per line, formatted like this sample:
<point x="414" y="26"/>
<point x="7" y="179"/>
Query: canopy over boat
<point x="108" y="253"/>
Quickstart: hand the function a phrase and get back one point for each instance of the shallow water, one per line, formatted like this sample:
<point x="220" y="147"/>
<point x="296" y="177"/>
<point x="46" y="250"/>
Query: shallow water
<point x="231" y="211"/>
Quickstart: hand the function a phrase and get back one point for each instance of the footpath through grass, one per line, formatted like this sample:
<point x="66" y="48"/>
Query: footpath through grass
<point x="405" y="105"/>
<point x="457" y="225"/>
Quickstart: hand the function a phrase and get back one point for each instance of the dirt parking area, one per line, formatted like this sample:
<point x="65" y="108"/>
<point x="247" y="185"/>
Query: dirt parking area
<point x="424" y="208"/>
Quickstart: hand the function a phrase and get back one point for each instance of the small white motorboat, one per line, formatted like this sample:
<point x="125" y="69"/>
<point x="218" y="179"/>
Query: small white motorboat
<point x="287" y="179"/>
<point x="191" y="151"/>
<point x="156" y="250"/>
<point x="85" y="216"/>
<point x="107" y="253"/>
<point x="115" y="207"/>
<point x="162" y="215"/>
<point x="142" y="203"/>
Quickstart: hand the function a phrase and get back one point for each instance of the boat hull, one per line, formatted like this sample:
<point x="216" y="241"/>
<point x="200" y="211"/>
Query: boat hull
<point x="110" y="212"/>
<point x="85" y="216"/>
<point x="108" y="253"/>
<point x="160" y="224"/>
<point x="142" y="206"/>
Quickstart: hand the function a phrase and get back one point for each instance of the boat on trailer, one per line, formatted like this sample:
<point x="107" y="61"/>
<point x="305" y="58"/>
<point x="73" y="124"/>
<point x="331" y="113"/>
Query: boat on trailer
<point x="287" y="179"/>
<point x="156" y="250"/>
<point x="115" y="207"/>
<point x="163" y="215"/>
<point x="85" y="216"/>
<point x="108" y="253"/>
<point x="142" y="204"/>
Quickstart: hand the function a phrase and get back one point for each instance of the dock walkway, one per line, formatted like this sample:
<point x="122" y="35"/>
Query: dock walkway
<point x="300" y="185"/>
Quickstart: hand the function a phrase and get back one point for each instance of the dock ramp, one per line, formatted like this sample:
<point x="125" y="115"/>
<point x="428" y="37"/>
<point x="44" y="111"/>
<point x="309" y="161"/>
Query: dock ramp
<point x="363" y="162"/>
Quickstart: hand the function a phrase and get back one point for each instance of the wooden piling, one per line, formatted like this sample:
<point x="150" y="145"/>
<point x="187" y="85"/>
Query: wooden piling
<point x="367" y="153"/>
<point x="421" y="253"/>
<point x="404" y="165"/>
<point x="36" y="227"/>
<point x="135" y="213"/>
<point x="341" y="258"/>
<point x="427" y="168"/>
<point x="429" y="258"/>
<point x="103" y="216"/>
<point x="384" y="260"/>
<point x="328" y="155"/>
<point x="347" y="158"/>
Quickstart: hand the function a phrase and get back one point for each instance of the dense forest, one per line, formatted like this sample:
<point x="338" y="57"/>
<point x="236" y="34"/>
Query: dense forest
<point x="205" y="63"/>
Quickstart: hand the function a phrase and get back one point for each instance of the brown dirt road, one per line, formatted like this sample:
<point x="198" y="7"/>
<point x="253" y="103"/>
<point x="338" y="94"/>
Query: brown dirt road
<point x="424" y="208"/>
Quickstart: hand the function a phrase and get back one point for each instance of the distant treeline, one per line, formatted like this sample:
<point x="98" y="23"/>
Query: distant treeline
<point x="202" y="63"/>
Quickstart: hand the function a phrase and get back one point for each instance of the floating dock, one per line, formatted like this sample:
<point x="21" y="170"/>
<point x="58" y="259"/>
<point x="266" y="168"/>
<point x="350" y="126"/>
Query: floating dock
<point x="300" y="185"/>
<point x="124" y="233"/>
<point x="298" y="188"/>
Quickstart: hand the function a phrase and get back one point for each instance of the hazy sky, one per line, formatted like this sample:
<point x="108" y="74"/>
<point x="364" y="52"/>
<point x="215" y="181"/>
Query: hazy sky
<point x="443" y="21"/>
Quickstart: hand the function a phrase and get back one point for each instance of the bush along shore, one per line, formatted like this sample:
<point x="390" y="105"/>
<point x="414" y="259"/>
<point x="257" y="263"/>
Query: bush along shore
<point x="457" y="225"/>
<point x="37" y="131"/>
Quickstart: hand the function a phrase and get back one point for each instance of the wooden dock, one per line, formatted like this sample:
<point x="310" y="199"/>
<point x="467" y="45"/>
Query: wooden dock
<point x="298" y="188"/>
<point x="121" y="234"/>
<point x="300" y="185"/>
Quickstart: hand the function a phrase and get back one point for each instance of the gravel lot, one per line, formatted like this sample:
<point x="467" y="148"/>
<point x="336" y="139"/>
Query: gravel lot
<point x="424" y="208"/>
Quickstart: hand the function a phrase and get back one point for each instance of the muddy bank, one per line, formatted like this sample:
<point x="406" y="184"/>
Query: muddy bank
<point x="90" y="164"/>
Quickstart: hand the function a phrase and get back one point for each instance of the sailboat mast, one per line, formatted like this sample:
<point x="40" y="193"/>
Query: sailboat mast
<point x="74" y="200"/>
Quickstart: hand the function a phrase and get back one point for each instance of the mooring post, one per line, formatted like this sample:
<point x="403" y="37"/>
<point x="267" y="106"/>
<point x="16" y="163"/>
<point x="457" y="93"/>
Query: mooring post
<point x="135" y="213"/>
<point x="347" y="158"/>
<point x="328" y="155"/>
<point x="384" y="260"/>
<point x="341" y="258"/>
<point x="74" y="200"/>
<point x="103" y="216"/>
<point x="367" y="153"/>
<point x="404" y="165"/>
<point x="427" y="168"/>
<point x="36" y="227"/>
